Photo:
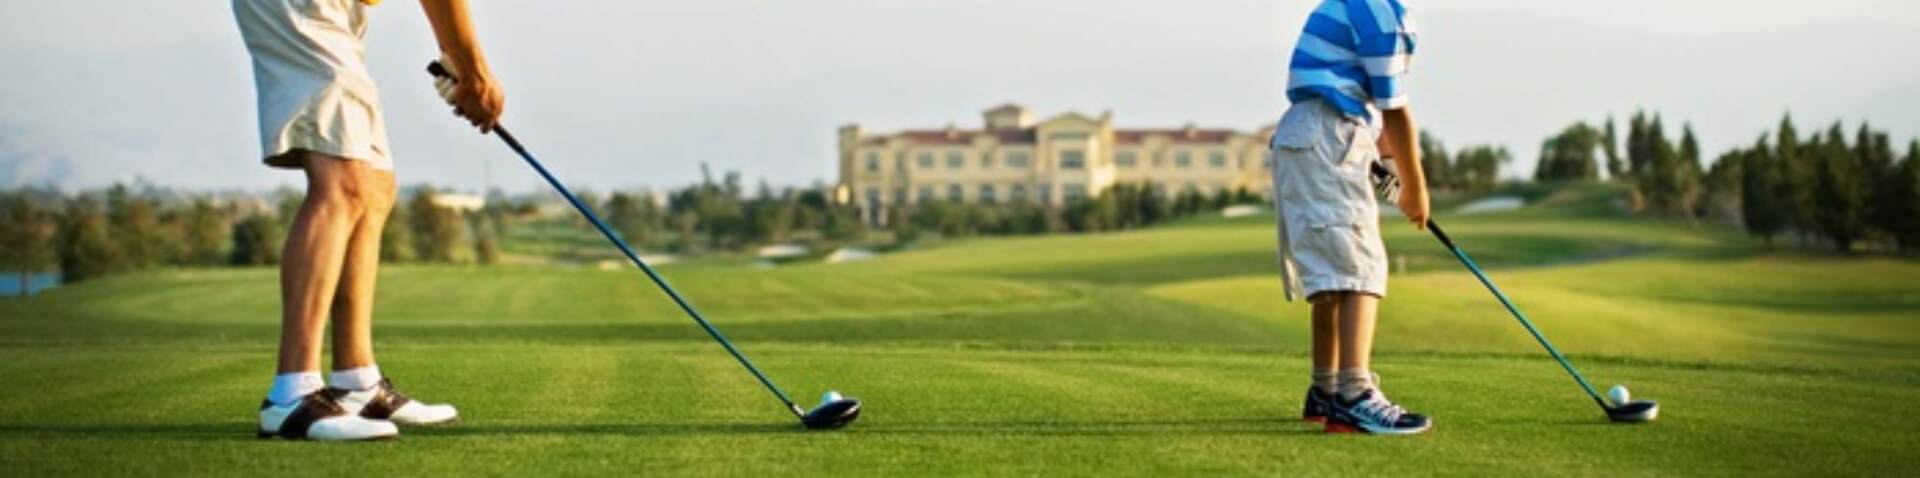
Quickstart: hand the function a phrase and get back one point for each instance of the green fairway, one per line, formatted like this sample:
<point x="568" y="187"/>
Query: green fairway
<point x="1157" y="352"/>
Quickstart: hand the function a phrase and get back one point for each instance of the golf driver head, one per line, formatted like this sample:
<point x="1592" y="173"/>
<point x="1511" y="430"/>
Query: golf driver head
<point x="1637" y="411"/>
<point x="831" y="415"/>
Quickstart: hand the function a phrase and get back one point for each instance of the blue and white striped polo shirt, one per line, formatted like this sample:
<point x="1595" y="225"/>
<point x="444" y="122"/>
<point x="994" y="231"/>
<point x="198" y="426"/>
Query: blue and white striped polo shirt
<point x="1352" y="52"/>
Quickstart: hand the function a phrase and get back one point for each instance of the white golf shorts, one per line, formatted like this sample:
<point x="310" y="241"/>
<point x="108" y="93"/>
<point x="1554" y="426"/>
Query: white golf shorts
<point x="1329" y="222"/>
<point x="310" y="72"/>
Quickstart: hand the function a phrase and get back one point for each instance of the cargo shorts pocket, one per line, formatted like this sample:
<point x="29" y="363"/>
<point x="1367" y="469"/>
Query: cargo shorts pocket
<point x="1329" y="255"/>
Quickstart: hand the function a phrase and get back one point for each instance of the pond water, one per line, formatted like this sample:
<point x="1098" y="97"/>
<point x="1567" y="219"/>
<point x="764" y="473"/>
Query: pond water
<point x="10" y="283"/>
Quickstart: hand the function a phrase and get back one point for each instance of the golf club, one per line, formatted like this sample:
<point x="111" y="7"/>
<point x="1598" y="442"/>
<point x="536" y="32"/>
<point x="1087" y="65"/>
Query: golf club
<point x="836" y="412"/>
<point x="1635" y="411"/>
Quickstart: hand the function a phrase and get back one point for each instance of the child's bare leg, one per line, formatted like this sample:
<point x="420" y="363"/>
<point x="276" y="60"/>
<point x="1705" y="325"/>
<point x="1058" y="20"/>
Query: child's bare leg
<point x="1326" y="343"/>
<point x="1358" y="313"/>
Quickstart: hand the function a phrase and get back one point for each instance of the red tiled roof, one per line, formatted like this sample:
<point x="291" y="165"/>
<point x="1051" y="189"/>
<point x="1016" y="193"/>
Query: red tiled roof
<point x="1007" y="107"/>
<point x="1019" y="136"/>
<point x="1030" y="136"/>
<point x="1137" y="136"/>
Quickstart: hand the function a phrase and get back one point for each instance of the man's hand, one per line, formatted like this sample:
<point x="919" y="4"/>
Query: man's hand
<point x="474" y="96"/>
<point x="473" y="93"/>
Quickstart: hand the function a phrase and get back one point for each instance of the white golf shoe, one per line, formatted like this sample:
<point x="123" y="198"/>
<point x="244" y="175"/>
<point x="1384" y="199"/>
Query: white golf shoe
<point x="320" y="416"/>
<point x="383" y="402"/>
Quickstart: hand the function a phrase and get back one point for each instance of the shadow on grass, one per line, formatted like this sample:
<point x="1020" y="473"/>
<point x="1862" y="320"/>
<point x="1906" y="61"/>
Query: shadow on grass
<point x="1114" y="428"/>
<point x="243" y="431"/>
<point x="1106" y="428"/>
<point x="215" y="431"/>
<point x="229" y="431"/>
<point x="619" y="429"/>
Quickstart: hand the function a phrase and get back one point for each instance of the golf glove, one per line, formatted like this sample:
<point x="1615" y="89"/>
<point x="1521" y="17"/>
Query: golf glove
<point x="444" y="84"/>
<point x="1385" y="183"/>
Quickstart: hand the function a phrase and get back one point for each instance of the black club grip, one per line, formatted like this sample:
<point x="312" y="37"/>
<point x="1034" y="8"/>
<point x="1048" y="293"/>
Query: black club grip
<point x="434" y="68"/>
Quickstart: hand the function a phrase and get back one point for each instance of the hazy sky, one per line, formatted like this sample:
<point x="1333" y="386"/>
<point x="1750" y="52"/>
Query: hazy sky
<point x="638" y="92"/>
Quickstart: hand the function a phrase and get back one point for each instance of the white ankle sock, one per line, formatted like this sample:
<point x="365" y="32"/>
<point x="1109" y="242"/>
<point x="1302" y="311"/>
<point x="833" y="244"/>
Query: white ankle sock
<point x="289" y="387"/>
<point x="1325" y="380"/>
<point x="363" y="378"/>
<point x="1354" y="381"/>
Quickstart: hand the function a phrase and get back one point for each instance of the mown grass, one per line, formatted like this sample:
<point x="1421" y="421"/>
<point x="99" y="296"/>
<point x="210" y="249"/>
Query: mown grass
<point x="1158" y="352"/>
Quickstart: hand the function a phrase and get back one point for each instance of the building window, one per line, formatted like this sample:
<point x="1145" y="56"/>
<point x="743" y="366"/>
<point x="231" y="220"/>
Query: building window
<point x="873" y="161"/>
<point x="1017" y="193"/>
<point x="1073" y="159"/>
<point x="1017" y="159"/>
<point x="925" y="160"/>
<point x="956" y="193"/>
<point x="1046" y="193"/>
<point x="1124" y="159"/>
<point x="1217" y="160"/>
<point x="1183" y="160"/>
<point x="926" y="194"/>
<point x="1073" y="192"/>
<point x="955" y="160"/>
<point x="873" y="197"/>
<point x="986" y="194"/>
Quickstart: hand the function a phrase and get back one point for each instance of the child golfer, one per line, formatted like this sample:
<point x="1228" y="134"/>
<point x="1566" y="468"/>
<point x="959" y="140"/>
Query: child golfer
<point x="1345" y="83"/>
<point x="320" y="113"/>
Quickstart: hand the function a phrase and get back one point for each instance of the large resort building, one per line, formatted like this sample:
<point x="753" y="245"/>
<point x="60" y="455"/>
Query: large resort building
<point x="1014" y="159"/>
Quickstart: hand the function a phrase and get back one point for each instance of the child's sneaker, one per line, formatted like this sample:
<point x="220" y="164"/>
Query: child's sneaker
<point x="383" y="402"/>
<point x="1316" y="405"/>
<point x="1372" y="413"/>
<point x="320" y="416"/>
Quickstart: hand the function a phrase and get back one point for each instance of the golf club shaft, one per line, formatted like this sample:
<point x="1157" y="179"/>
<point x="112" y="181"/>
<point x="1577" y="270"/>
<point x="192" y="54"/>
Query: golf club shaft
<point x="501" y="131"/>
<point x="1442" y="235"/>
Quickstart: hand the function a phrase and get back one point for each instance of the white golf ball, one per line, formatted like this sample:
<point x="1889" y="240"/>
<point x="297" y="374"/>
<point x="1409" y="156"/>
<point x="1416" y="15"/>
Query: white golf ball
<point x="830" y="397"/>
<point x="1619" y="395"/>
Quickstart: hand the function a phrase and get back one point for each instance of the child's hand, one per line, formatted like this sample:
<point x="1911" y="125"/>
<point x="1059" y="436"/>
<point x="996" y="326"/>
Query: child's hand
<point x="1413" y="204"/>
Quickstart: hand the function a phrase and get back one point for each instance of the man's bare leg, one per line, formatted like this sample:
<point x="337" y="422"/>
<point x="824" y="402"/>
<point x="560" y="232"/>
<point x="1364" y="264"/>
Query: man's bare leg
<point x="353" y="301"/>
<point x="317" y="245"/>
<point x="315" y="252"/>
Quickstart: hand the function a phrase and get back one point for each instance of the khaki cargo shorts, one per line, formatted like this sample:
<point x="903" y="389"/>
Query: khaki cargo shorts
<point x="1329" y="221"/>
<point x="310" y="75"/>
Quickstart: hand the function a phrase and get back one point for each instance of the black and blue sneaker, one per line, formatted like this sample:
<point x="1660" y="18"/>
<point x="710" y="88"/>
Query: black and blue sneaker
<point x="1314" y="408"/>
<point x="1372" y="413"/>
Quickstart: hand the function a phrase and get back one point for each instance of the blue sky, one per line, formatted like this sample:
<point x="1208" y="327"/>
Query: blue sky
<point x="637" y="93"/>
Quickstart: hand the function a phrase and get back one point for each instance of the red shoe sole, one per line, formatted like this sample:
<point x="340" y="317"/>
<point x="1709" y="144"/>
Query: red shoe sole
<point x="1337" y="428"/>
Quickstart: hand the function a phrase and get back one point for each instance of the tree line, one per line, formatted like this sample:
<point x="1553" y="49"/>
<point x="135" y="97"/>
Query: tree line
<point x="720" y="216"/>
<point x="1120" y="207"/>
<point x="97" y="233"/>
<point x="1820" y="186"/>
<point x="1826" y="188"/>
<point x="1666" y="176"/>
<point x="1473" y="170"/>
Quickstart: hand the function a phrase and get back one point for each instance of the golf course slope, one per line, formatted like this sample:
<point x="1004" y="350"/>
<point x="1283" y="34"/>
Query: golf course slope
<point x="1160" y="352"/>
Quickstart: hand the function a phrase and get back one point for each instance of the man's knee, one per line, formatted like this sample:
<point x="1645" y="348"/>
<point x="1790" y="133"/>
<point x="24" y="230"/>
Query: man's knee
<point x="348" y="185"/>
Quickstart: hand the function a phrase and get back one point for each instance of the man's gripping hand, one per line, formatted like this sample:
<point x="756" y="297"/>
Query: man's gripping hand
<point x="473" y="96"/>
